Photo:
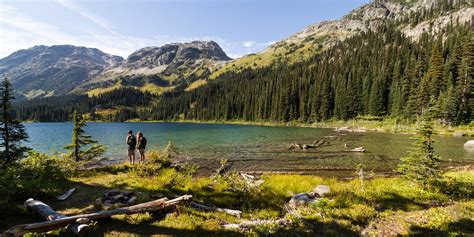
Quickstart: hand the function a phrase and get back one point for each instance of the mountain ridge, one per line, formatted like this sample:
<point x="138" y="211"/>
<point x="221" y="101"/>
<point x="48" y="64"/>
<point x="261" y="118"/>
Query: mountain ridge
<point x="185" y="66"/>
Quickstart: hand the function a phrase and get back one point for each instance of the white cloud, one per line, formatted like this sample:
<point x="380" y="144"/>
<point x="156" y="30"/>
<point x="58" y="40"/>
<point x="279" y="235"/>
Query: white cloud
<point x="75" y="7"/>
<point x="20" y="31"/>
<point x="248" y="44"/>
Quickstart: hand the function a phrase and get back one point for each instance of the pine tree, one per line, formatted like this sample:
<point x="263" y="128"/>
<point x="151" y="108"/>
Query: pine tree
<point x="421" y="165"/>
<point x="465" y="82"/>
<point x="80" y="139"/>
<point x="435" y="70"/>
<point x="12" y="131"/>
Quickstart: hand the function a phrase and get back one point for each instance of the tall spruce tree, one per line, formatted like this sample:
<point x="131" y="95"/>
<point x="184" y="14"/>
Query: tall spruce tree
<point x="80" y="140"/>
<point x="12" y="131"/>
<point x="421" y="165"/>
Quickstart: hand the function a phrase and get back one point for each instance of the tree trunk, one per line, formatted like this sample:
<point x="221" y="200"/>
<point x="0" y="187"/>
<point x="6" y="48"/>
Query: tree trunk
<point x="49" y="214"/>
<point x="157" y="205"/>
<point x="236" y="213"/>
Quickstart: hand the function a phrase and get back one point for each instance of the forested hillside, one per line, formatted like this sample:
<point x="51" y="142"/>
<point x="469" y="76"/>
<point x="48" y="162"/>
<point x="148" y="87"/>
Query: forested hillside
<point x="379" y="73"/>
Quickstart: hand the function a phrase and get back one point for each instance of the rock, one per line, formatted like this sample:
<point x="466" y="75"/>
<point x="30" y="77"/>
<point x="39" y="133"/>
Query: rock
<point x="133" y="199"/>
<point x="111" y="193"/>
<point x="128" y="193"/>
<point x="469" y="145"/>
<point x="301" y="199"/>
<point x="321" y="190"/>
<point x="117" y="198"/>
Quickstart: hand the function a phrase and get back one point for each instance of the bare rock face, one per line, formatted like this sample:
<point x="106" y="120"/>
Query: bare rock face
<point x="174" y="55"/>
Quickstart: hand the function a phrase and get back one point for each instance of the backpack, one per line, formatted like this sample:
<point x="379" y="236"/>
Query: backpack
<point x="132" y="142"/>
<point x="143" y="143"/>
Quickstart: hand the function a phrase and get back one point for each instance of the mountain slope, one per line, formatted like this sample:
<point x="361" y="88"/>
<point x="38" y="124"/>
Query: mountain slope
<point x="158" y="69"/>
<point x="55" y="70"/>
<point x="412" y="17"/>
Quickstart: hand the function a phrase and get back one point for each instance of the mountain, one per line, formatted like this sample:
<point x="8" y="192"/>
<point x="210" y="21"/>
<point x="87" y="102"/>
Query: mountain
<point x="54" y="70"/>
<point x="412" y="17"/>
<point x="389" y="58"/>
<point x="158" y="69"/>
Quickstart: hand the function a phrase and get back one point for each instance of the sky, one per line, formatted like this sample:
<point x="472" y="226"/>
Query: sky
<point x="121" y="27"/>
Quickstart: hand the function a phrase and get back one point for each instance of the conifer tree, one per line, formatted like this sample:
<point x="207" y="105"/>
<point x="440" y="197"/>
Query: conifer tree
<point x="80" y="139"/>
<point x="12" y="132"/>
<point x="465" y="82"/>
<point x="421" y="165"/>
<point x="435" y="70"/>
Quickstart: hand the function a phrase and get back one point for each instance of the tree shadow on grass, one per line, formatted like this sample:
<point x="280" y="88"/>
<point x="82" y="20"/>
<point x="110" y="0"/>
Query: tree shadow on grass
<point x="396" y="202"/>
<point x="463" y="227"/>
<point x="317" y="228"/>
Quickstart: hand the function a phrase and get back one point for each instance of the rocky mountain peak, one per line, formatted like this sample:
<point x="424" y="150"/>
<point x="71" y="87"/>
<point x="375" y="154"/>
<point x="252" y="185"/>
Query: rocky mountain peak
<point x="47" y="70"/>
<point x="175" y="54"/>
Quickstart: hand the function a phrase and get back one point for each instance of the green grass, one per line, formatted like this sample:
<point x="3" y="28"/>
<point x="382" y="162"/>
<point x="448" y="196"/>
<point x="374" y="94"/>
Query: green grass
<point x="346" y="211"/>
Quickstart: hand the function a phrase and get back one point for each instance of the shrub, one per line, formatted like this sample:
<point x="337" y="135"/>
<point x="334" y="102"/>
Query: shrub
<point x="37" y="176"/>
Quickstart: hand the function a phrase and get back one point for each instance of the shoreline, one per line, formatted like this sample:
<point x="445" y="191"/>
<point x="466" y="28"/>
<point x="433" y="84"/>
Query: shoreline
<point x="355" y="125"/>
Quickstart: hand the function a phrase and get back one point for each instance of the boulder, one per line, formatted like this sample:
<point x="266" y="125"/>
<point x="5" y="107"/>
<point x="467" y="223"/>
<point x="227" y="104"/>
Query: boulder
<point x="111" y="193"/>
<point x="469" y="145"/>
<point x="321" y="190"/>
<point x="300" y="199"/>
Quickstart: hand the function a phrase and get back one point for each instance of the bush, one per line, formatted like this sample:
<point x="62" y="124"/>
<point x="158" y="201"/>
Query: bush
<point x="156" y="160"/>
<point x="38" y="175"/>
<point x="457" y="188"/>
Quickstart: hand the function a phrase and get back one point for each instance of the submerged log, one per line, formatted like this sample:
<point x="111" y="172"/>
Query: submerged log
<point x="358" y="149"/>
<point x="153" y="206"/>
<point x="49" y="214"/>
<point x="236" y="213"/>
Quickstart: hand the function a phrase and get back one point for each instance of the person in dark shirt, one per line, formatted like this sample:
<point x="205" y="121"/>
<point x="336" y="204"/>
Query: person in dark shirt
<point x="131" y="143"/>
<point x="141" y="145"/>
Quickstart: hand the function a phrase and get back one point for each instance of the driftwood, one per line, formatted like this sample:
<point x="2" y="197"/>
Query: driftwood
<point x="254" y="223"/>
<point x="251" y="180"/>
<point x="153" y="206"/>
<point x="358" y="149"/>
<point x="236" y="213"/>
<point x="316" y="144"/>
<point x="49" y="214"/>
<point x="66" y="195"/>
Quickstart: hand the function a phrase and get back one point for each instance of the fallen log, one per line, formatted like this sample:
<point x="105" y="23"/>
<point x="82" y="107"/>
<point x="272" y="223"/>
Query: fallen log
<point x="49" y="214"/>
<point x="254" y="223"/>
<point x="236" y="213"/>
<point x="66" y="195"/>
<point x="153" y="206"/>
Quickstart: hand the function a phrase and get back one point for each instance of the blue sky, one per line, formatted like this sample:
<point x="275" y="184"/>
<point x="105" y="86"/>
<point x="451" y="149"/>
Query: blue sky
<point x="123" y="26"/>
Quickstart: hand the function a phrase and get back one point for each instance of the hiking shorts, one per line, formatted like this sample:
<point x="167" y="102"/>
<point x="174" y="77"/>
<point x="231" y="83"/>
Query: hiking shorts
<point x="142" y="151"/>
<point x="131" y="152"/>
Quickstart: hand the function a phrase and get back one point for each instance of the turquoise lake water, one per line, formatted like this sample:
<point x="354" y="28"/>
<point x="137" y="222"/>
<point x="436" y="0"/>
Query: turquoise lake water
<point x="253" y="148"/>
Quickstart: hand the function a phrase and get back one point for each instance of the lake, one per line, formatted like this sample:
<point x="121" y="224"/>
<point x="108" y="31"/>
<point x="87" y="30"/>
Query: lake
<point x="254" y="148"/>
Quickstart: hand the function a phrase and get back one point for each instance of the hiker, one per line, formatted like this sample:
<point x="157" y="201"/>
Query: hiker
<point x="141" y="145"/>
<point x="132" y="143"/>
